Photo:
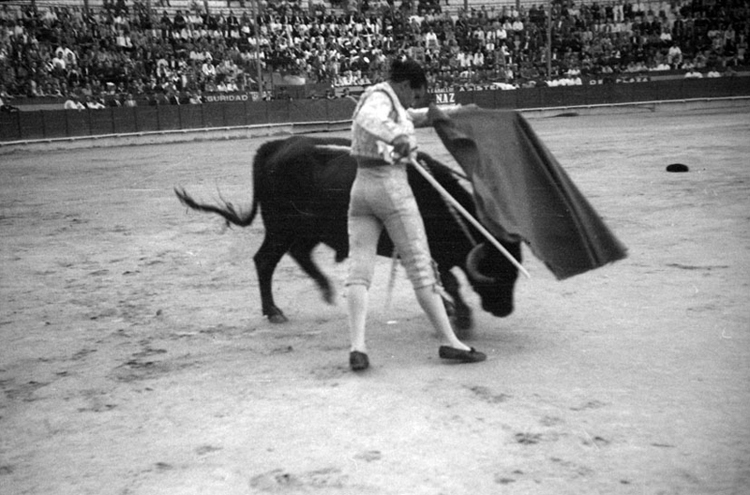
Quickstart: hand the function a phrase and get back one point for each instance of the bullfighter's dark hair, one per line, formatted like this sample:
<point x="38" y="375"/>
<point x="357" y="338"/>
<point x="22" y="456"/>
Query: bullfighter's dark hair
<point x="408" y="70"/>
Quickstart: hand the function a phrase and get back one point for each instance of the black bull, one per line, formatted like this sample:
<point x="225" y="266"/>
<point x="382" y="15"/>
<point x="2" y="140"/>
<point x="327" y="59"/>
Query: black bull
<point x="302" y="185"/>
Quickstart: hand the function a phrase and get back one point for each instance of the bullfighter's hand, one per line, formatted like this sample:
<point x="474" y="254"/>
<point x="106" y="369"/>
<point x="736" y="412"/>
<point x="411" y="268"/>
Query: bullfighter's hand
<point x="402" y="146"/>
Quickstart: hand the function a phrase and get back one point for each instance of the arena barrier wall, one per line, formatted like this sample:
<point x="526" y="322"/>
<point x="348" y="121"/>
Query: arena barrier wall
<point x="73" y="124"/>
<point x="602" y="94"/>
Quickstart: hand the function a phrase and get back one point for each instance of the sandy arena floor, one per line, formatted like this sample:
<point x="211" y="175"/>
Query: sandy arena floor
<point x="135" y="361"/>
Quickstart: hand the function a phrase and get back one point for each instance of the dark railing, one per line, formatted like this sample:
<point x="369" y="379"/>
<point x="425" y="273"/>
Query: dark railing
<point x="60" y="124"/>
<point x="56" y="124"/>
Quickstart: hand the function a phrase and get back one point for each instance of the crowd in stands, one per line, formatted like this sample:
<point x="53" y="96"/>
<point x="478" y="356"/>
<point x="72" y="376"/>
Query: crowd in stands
<point x="124" y="49"/>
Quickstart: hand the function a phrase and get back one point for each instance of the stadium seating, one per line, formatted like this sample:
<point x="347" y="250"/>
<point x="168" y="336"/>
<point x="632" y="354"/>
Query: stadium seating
<point x="588" y="43"/>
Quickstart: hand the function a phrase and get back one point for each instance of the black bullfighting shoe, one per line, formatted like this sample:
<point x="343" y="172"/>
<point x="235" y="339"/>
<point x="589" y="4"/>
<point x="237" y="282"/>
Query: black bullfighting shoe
<point x="460" y="355"/>
<point x="358" y="361"/>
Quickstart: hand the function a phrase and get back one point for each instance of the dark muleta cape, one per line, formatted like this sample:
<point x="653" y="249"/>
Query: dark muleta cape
<point x="522" y="192"/>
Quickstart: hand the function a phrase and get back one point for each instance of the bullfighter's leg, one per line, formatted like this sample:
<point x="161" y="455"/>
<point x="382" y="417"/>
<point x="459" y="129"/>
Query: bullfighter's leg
<point x="407" y="232"/>
<point x="364" y="232"/>
<point x="357" y="299"/>
<point x="432" y="304"/>
<point x="268" y="256"/>
<point x="301" y="251"/>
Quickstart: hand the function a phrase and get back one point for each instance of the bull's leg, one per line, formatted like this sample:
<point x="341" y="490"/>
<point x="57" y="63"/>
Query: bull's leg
<point x="266" y="259"/>
<point x="461" y="314"/>
<point x="301" y="251"/>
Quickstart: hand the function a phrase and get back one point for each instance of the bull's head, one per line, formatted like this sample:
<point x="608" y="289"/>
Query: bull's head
<point x="493" y="277"/>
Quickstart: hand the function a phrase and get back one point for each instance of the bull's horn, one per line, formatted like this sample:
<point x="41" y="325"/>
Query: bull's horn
<point x="473" y="259"/>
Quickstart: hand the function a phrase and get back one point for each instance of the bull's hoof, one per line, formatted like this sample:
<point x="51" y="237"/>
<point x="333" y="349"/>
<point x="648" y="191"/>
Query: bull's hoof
<point x="278" y="318"/>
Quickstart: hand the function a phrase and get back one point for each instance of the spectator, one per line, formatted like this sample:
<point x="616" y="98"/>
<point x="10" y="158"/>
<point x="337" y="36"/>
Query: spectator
<point x="123" y="46"/>
<point x="674" y="56"/>
<point x="93" y="104"/>
<point x="74" y="103"/>
<point x="7" y="108"/>
<point x="173" y="98"/>
<point x="195" y="98"/>
<point x="209" y="70"/>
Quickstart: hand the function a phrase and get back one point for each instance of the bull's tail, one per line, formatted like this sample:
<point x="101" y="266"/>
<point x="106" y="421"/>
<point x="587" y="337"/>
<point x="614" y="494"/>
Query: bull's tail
<point x="225" y="209"/>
